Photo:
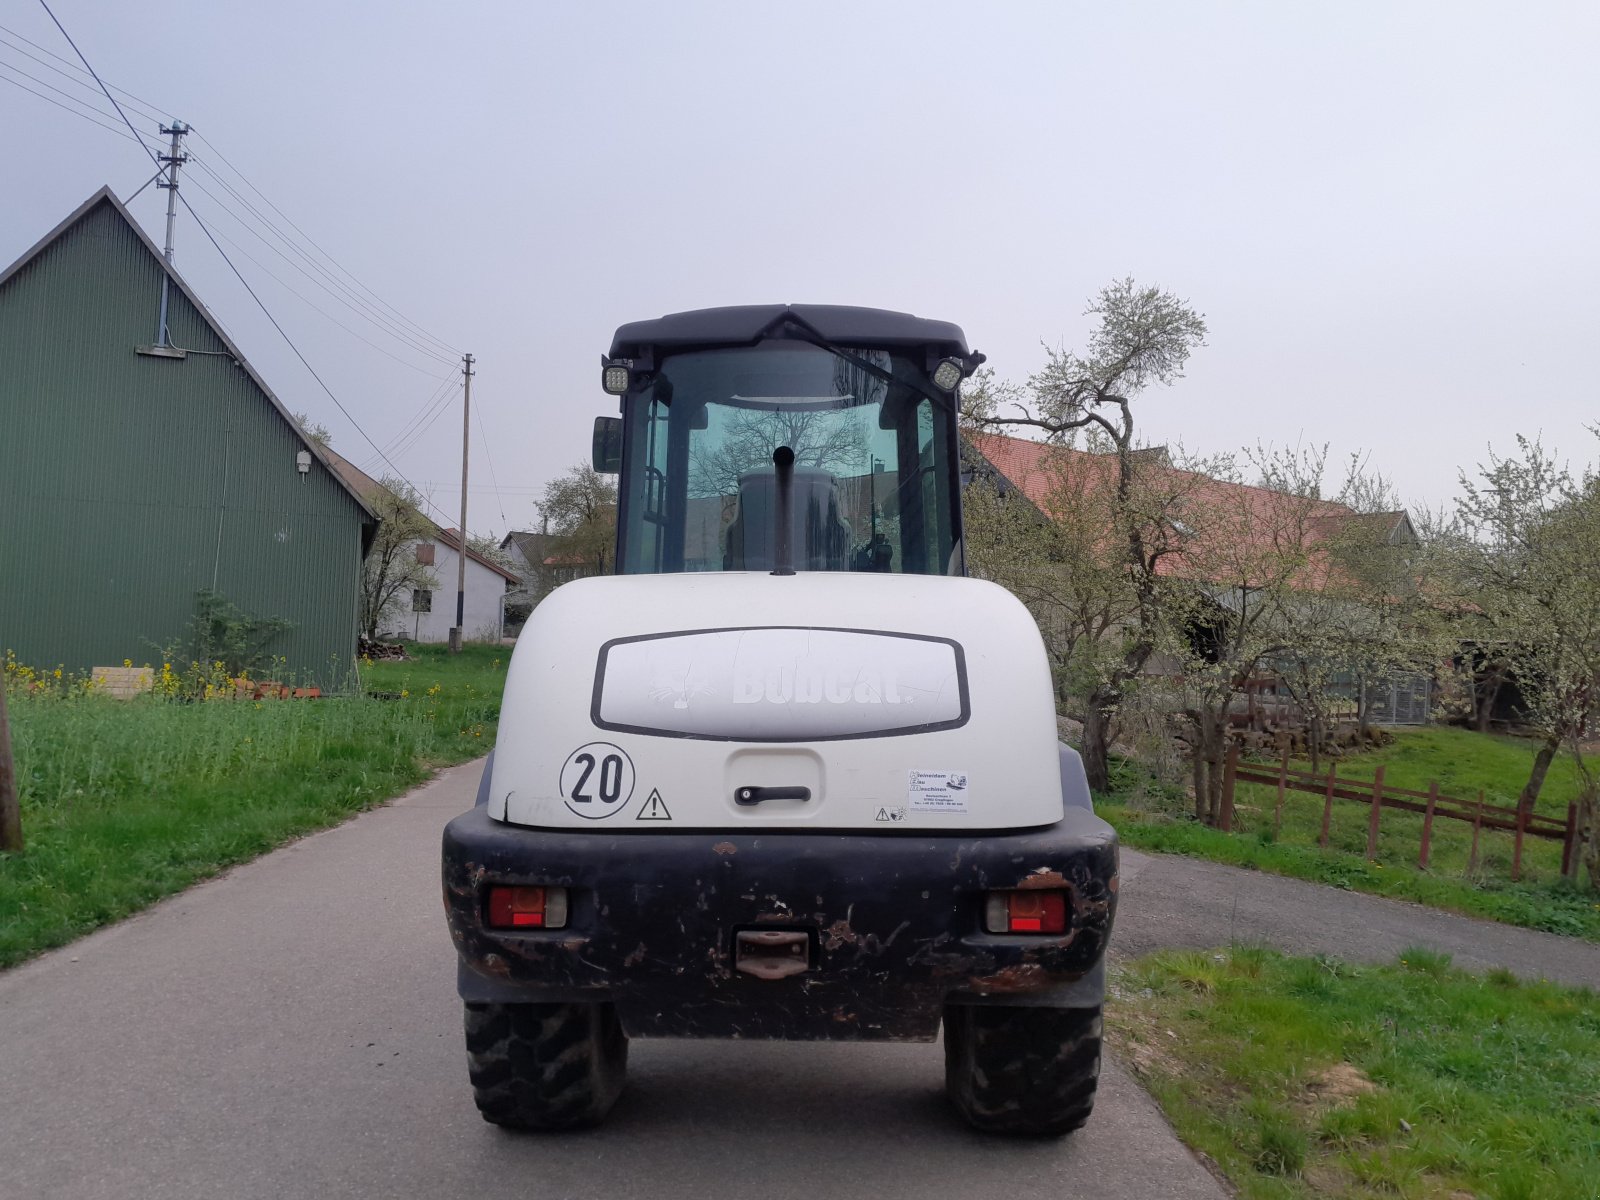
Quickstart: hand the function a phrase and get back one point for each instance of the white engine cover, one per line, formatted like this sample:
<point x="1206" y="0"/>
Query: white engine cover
<point x="640" y="703"/>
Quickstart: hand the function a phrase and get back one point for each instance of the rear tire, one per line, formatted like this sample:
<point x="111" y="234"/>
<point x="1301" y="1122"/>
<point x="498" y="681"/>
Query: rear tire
<point x="1022" y="1070"/>
<point x="545" y="1066"/>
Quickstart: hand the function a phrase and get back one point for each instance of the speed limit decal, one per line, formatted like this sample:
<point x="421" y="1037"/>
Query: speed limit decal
<point x="597" y="780"/>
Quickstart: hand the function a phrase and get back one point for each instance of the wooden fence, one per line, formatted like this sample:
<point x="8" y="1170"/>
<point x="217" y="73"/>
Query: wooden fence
<point x="1377" y="796"/>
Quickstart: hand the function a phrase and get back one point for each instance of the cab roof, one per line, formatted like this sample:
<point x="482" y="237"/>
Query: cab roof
<point x="745" y="324"/>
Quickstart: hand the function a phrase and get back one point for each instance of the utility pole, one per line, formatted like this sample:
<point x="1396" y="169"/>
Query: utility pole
<point x="461" y="554"/>
<point x="174" y="160"/>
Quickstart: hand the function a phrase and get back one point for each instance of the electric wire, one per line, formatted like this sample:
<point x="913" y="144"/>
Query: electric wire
<point x="344" y="295"/>
<point x="417" y="435"/>
<point x="337" y="403"/>
<point x="426" y="406"/>
<point x="489" y="458"/>
<point x="396" y="313"/>
<point x="245" y="225"/>
<point x="385" y="316"/>
<point x="103" y="125"/>
<point x="151" y="109"/>
<point x="236" y="272"/>
<point x="318" y="309"/>
<point x="408" y="331"/>
<point x="70" y="96"/>
<point x="45" y="5"/>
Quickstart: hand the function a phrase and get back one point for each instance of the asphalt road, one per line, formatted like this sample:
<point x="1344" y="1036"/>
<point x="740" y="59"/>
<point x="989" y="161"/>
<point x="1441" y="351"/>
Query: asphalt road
<point x="292" y="1030"/>
<point x="1170" y="901"/>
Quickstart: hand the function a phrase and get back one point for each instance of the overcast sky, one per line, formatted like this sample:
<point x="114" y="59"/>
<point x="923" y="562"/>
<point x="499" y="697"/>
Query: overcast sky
<point x="1388" y="212"/>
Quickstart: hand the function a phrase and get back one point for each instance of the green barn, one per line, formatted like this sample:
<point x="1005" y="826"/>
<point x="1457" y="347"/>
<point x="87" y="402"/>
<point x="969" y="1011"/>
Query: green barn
<point x="134" y="476"/>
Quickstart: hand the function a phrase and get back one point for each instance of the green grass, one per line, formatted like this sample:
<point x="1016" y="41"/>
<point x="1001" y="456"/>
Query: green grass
<point x="1151" y="817"/>
<point x="1462" y="761"/>
<point x="124" y="802"/>
<point x="1307" y="1077"/>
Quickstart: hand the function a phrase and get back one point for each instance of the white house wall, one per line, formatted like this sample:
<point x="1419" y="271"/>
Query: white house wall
<point x="484" y="608"/>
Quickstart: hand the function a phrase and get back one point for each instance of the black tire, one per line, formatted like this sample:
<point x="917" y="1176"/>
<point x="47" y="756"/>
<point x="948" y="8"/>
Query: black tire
<point x="1022" y="1070"/>
<point x="545" y="1066"/>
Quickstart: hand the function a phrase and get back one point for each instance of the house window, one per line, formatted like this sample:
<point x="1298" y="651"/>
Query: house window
<point x="425" y="554"/>
<point x="422" y="598"/>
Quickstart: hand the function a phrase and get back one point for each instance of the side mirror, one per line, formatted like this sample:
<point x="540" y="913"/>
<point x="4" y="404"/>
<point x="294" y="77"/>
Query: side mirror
<point x="607" y="445"/>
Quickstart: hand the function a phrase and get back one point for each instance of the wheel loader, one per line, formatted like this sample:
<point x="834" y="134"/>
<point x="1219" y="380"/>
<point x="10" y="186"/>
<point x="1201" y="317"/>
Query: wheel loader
<point x="788" y="772"/>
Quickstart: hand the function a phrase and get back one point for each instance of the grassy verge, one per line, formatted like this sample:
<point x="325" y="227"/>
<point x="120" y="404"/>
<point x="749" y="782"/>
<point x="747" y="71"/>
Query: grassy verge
<point x="1311" y="1078"/>
<point x="124" y="802"/>
<point x="1151" y="817"/>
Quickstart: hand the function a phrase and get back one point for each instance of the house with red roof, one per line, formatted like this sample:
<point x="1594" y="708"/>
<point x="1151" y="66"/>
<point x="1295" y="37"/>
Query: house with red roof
<point x="1220" y="534"/>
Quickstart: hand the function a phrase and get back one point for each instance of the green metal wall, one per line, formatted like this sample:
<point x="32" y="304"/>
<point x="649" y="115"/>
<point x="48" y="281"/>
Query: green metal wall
<point x="128" y="483"/>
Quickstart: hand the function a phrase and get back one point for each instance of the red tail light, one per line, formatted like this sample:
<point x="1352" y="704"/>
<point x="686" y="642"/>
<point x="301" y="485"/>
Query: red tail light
<point x="527" y="908"/>
<point x="1026" y="912"/>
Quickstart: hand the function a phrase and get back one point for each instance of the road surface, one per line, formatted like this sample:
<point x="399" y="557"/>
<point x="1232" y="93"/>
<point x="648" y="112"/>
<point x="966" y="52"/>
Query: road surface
<point x="291" y="1030"/>
<point x="1171" y="901"/>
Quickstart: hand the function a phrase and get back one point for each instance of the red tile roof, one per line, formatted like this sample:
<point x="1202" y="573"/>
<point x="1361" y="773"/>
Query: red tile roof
<point x="1233" y="523"/>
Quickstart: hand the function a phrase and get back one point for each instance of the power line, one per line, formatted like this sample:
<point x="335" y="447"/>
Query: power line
<point x="152" y="111"/>
<point x="203" y="229"/>
<point x="290" y="343"/>
<point x="396" y="313"/>
<point x="340" y="290"/>
<point x="71" y="96"/>
<point x="485" y="436"/>
<point x="416" y="435"/>
<point x="43" y="4"/>
<point x="437" y="397"/>
<point x="344" y="295"/>
<point x="103" y="124"/>
<point x="313" y="306"/>
<point x="377" y="312"/>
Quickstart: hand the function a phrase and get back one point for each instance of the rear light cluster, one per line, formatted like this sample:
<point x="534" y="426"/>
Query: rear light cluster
<point x="1025" y="912"/>
<point x="527" y="907"/>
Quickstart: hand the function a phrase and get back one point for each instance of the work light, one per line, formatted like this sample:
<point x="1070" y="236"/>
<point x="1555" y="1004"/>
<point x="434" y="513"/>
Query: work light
<point x="947" y="374"/>
<point x="614" y="379"/>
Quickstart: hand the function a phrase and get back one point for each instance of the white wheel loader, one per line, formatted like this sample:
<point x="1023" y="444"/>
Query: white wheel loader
<point x="787" y="773"/>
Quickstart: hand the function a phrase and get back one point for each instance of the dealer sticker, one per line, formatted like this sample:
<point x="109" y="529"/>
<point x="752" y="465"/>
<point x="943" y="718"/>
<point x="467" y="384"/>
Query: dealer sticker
<point x="937" y="792"/>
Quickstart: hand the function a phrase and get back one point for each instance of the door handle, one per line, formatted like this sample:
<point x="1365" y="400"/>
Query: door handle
<point x="748" y="796"/>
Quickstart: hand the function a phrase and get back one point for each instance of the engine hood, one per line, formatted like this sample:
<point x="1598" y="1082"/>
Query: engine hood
<point x="739" y="701"/>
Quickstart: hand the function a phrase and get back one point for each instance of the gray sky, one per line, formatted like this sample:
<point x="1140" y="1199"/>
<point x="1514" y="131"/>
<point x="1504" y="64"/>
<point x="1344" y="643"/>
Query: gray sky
<point x="1388" y="212"/>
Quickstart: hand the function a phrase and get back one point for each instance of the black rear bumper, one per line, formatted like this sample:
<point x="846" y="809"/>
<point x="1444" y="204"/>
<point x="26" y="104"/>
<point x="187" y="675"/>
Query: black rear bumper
<point x="894" y="922"/>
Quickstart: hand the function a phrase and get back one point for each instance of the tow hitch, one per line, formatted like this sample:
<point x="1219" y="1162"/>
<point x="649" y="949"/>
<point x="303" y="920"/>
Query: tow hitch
<point x="772" y="953"/>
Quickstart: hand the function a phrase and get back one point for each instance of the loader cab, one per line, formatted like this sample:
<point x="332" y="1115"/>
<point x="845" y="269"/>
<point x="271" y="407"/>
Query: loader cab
<point x="855" y="395"/>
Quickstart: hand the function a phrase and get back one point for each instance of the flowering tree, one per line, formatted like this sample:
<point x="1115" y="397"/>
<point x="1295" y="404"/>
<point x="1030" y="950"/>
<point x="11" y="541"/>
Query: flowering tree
<point x="391" y="570"/>
<point x="1145" y="336"/>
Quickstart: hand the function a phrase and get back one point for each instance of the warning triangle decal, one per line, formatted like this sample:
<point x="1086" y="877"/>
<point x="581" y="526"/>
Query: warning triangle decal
<point x="655" y="809"/>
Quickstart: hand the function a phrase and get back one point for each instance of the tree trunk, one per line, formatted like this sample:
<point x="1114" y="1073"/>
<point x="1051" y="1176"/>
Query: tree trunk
<point x="1209" y="748"/>
<point x="1096" y="736"/>
<point x="1541" y="767"/>
<point x="1590" y="846"/>
<point x="1197" y="761"/>
<point x="1488" y="693"/>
